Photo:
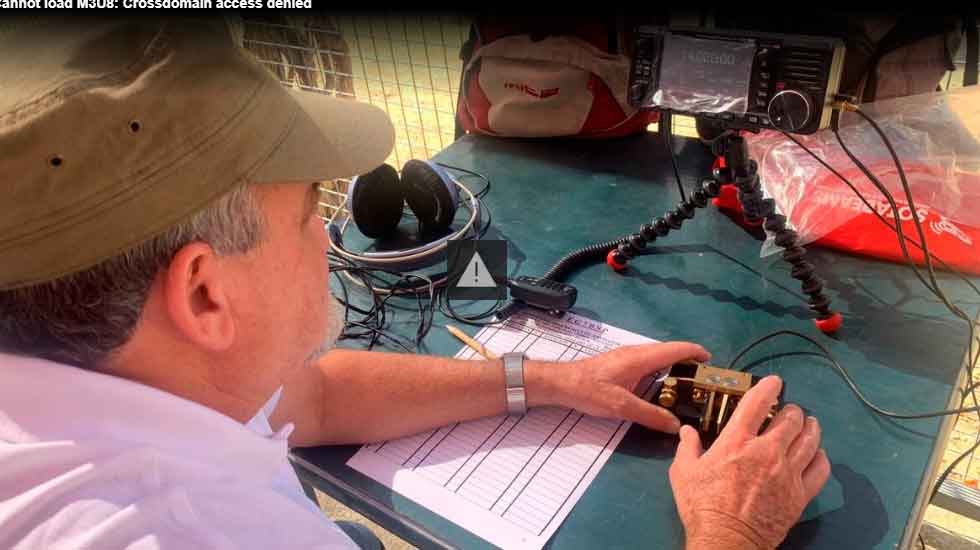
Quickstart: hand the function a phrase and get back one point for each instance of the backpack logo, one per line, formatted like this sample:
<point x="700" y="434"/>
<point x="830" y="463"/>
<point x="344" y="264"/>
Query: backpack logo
<point x="544" y="93"/>
<point x="944" y="225"/>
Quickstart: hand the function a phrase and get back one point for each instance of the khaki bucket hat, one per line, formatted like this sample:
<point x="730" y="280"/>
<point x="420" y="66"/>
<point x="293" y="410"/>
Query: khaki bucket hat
<point x="113" y="130"/>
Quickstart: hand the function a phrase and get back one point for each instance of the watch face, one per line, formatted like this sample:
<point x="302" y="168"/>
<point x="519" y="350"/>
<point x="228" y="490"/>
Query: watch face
<point x="516" y="403"/>
<point x="514" y="369"/>
<point x="514" y="377"/>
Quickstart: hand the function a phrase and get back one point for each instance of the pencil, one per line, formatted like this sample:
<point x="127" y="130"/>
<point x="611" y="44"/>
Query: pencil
<point x="476" y="346"/>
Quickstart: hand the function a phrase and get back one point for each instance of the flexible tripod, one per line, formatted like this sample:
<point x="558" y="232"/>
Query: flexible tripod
<point x="735" y="166"/>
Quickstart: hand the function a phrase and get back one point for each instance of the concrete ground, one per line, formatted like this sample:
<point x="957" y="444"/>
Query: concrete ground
<point x="338" y="512"/>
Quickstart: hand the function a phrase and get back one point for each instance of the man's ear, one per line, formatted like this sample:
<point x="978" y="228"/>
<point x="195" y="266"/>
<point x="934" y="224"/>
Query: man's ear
<point x="196" y="297"/>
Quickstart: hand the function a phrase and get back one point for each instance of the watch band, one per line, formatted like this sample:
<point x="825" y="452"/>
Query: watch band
<point x="514" y="377"/>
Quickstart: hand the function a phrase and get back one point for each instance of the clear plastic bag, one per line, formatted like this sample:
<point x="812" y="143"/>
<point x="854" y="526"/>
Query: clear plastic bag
<point x="937" y="138"/>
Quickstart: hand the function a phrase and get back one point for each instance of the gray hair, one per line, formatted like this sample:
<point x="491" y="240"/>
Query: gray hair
<point x="82" y="318"/>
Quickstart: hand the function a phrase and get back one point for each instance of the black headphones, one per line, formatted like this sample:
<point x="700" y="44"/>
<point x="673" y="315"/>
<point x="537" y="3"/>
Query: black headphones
<point x="376" y="200"/>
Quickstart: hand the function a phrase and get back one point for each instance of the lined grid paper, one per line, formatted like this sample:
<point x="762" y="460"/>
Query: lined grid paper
<point x="510" y="480"/>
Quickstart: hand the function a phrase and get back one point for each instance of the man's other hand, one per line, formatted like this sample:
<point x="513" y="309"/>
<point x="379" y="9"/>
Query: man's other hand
<point x="748" y="489"/>
<point x="605" y="385"/>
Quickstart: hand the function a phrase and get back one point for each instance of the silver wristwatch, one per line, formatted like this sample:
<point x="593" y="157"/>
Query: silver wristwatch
<point x="514" y="376"/>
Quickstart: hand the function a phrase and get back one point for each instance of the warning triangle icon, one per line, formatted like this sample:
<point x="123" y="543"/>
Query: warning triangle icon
<point x="476" y="274"/>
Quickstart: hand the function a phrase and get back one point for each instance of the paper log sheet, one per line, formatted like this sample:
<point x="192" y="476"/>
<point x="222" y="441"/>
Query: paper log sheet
<point x="510" y="480"/>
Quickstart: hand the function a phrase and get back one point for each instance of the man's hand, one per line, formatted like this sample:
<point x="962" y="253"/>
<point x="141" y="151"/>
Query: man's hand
<point x="604" y="385"/>
<point x="747" y="490"/>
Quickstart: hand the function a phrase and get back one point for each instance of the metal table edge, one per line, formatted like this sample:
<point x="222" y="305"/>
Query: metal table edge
<point x="912" y="527"/>
<point x="368" y="506"/>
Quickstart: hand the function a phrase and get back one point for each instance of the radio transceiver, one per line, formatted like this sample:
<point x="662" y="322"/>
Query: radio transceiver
<point x="740" y="80"/>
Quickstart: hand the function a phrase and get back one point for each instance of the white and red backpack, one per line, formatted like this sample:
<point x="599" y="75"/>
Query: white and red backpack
<point x="563" y="81"/>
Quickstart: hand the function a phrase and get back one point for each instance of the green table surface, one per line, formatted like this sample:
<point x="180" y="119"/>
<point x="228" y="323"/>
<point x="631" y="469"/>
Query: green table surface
<point x="705" y="283"/>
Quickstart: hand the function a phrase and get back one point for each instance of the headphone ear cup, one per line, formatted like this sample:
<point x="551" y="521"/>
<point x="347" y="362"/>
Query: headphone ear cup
<point x="430" y="194"/>
<point x="375" y="201"/>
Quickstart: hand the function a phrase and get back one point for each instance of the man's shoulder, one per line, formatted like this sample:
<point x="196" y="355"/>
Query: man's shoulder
<point x="103" y="462"/>
<point x="72" y="495"/>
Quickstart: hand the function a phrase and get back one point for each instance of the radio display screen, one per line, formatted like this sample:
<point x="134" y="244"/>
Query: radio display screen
<point x="704" y="76"/>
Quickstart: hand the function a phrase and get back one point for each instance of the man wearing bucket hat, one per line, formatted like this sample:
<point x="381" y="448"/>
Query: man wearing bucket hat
<point x="165" y="315"/>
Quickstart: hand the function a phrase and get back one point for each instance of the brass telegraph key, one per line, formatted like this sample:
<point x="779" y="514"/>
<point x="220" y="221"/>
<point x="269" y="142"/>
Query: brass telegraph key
<point x="704" y="396"/>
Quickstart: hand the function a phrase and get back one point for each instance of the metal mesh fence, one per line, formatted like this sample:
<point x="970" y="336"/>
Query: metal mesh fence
<point x="407" y="65"/>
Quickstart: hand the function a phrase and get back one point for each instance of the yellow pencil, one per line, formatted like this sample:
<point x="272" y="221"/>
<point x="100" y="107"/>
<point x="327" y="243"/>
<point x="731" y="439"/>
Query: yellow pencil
<point x="478" y="347"/>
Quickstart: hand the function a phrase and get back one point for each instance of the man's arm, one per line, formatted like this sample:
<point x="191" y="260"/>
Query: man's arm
<point x="358" y="396"/>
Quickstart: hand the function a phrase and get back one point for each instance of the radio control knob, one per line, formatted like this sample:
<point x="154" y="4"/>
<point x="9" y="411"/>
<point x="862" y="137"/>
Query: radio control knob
<point x="790" y="110"/>
<point x="638" y="94"/>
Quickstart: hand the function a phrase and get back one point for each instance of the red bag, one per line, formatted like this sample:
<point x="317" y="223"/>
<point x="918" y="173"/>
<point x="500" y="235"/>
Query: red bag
<point x="954" y="242"/>
<point x="936" y="136"/>
<point x="549" y="84"/>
